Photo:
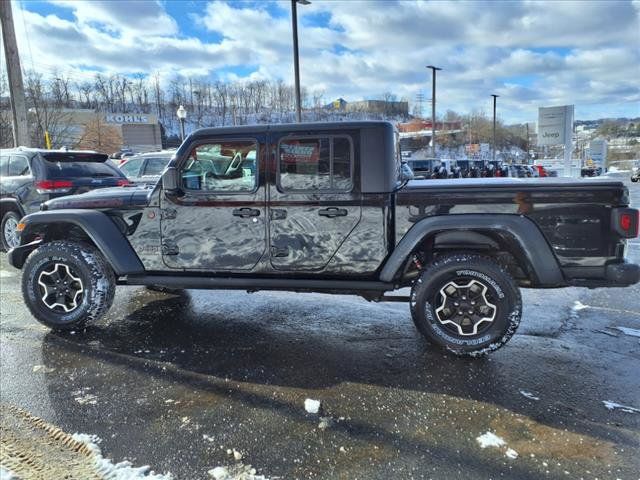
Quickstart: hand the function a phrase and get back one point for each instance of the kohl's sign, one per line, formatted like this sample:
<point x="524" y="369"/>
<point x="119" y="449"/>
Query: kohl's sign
<point x="126" y="118"/>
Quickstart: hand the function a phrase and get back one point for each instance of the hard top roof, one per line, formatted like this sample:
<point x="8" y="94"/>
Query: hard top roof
<point x="289" y="127"/>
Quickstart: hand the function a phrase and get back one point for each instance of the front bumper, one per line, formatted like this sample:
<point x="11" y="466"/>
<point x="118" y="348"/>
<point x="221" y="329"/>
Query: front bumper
<point x="18" y="255"/>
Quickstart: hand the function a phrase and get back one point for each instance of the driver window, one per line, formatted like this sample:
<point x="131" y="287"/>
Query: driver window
<point x="224" y="166"/>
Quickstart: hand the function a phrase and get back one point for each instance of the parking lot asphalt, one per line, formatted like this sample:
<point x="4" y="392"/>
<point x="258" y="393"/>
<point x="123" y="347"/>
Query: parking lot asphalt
<point x="179" y="382"/>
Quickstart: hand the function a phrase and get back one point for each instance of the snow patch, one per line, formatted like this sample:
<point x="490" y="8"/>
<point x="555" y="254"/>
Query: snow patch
<point x="511" y="453"/>
<point x="618" y="406"/>
<point x="577" y="306"/>
<point x="5" y="274"/>
<point x="529" y="395"/>
<point x="490" y="439"/>
<point x="87" y="399"/>
<point x="43" y="369"/>
<point x="312" y="406"/>
<point x="119" y="471"/>
<point x="633" y="332"/>
<point x="235" y="472"/>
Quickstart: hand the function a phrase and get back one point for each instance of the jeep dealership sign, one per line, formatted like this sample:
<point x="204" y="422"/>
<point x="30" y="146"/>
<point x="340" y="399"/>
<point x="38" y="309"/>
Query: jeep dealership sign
<point x="555" y="125"/>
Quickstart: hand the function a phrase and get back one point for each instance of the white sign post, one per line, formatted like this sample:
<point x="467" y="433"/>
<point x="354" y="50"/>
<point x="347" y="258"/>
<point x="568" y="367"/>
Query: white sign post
<point x="555" y="127"/>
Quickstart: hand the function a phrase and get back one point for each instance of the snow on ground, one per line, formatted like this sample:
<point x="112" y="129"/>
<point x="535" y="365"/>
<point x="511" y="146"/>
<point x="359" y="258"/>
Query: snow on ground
<point x="578" y="305"/>
<point x="490" y="439"/>
<point x="633" y="332"/>
<point x="529" y="395"/>
<point x="118" y="471"/>
<point x="617" y="406"/>
<point x="312" y="406"/>
<point x="236" y="472"/>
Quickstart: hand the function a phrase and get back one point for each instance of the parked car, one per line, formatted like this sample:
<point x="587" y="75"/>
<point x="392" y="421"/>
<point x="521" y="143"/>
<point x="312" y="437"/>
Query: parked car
<point x="247" y="208"/>
<point x="635" y="175"/>
<point x="146" y="168"/>
<point x="30" y="176"/>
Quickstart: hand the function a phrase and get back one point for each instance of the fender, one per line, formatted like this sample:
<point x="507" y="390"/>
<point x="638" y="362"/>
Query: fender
<point x="10" y="203"/>
<point x="526" y="233"/>
<point x="99" y="228"/>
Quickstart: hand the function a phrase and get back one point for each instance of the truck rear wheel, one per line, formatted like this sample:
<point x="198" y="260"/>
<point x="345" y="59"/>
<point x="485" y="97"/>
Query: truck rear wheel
<point x="66" y="284"/>
<point x="467" y="304"/>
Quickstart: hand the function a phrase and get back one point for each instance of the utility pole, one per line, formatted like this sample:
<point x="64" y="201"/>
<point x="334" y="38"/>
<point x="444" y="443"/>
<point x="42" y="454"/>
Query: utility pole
<point x="433" y="109"/>
<point x="494" y="125"/>
<point x="16" y="87"/>
<point x="296" y="61"/>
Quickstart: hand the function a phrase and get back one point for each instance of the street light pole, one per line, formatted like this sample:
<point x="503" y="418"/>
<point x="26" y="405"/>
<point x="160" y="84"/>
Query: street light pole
<point x="494" y="125"/>
<point x="296" y="61"/>
<point x="182" y="115"/>
<point x="433" y="109"/>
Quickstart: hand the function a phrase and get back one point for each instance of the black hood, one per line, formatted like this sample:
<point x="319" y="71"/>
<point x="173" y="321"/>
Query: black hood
<point x="117" y="197"/>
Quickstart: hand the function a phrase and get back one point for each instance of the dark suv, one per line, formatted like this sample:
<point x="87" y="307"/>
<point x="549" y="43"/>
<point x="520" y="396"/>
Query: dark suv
<point x="31" y="176"/>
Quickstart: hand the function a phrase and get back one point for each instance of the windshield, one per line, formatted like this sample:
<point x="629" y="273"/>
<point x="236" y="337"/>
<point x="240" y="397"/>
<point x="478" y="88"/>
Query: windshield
<point x="62" y="165"/>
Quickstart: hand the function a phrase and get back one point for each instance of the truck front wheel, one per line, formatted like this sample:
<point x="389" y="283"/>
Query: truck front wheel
<point x="67" y="284"/>
<point x="467" y="304"/>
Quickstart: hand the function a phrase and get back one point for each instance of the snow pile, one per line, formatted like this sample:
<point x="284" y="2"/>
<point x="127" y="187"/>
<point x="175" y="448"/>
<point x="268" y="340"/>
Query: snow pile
<point x="490" y="439"/>
<point x="617" y="406"/>
<point x="119" y="471"/>
<point x="235" y="472"/>
<point x="529" y="395"/>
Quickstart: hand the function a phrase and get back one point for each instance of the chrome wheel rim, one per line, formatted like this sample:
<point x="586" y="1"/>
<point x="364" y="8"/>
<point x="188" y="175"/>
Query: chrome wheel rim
<point x="10" y="232"/>
<point x="465" y="308"/>
<point x="61" y="289"/>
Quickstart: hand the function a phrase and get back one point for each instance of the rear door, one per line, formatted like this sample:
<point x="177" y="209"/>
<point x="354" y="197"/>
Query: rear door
<point x="313" y="202"/>
<point x="218" y="220"/>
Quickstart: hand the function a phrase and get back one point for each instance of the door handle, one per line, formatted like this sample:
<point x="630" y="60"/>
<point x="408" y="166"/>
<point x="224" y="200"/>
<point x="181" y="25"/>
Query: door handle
<point x="246" y="212"/>
<point x="333" y="212"/>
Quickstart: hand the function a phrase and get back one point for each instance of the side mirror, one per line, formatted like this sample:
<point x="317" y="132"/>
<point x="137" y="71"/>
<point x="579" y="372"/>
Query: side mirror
<point x="170" y="182"/>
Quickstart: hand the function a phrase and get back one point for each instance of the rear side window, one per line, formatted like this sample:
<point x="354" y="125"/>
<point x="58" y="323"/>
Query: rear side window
<point x="131" y="168"/>
<point x="61" y="165"/>
<point x="155" y="165"/>
<point x="315" y="164"/>
<point x="18" y="166"/>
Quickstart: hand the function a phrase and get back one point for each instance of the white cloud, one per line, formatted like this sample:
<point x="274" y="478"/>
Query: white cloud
<point x="530" y="53"/>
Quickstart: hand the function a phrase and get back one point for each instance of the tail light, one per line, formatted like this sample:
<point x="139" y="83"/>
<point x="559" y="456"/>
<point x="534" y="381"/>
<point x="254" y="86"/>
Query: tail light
<point x="625" y="222"/>
<point x="123" y="182"/>
<point x="53" y="186"/>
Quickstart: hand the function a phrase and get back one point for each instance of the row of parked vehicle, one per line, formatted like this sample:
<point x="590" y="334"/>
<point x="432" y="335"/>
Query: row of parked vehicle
<point x="436" y="168"/>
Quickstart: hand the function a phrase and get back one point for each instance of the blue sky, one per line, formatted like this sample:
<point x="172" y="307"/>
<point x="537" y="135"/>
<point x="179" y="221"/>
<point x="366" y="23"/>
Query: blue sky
<point x="531" y="54"/>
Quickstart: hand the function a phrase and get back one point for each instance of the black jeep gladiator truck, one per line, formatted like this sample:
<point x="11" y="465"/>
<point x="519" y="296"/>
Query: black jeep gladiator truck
<point x="327" y="207"/>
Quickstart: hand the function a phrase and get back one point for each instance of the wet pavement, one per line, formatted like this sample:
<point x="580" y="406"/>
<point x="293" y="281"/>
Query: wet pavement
<point x="174" y="381"/>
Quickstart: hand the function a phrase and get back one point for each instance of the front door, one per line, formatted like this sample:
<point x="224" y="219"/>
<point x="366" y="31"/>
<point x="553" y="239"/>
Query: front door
<point x="218" y="220"/>
<point x="313" y="205"/>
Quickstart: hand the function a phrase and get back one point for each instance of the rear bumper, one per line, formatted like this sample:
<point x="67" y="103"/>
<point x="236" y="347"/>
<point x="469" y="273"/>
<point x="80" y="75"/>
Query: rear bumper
<point x="622" y="274"/>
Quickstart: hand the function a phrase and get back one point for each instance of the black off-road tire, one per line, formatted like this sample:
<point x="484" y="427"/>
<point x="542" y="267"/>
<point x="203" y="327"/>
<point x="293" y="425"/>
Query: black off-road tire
<point x="7" y="217"/>
<point x="456" y="333"/>
<point x="84" y="262"/>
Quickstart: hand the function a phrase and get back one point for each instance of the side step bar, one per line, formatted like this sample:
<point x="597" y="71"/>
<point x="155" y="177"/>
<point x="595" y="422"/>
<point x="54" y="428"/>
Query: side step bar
<point x="255" y="284"/>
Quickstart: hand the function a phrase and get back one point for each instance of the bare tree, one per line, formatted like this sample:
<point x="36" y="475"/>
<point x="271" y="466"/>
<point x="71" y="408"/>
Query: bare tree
<point x="100" y="136"/>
